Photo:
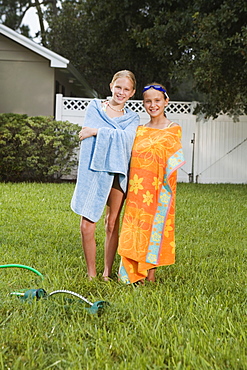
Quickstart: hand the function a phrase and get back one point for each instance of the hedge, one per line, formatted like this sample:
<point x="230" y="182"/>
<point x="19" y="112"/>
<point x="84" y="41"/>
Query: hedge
<point x="36" y="148"/>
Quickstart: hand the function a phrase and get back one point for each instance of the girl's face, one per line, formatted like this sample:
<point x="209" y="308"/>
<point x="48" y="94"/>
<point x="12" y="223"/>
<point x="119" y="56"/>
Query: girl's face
<point x="154" y="102"/>
<point x="122" y="90"/>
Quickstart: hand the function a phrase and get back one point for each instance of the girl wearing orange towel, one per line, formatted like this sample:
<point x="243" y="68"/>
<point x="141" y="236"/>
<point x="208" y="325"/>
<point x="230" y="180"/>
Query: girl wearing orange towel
<point x="147" y="235"/>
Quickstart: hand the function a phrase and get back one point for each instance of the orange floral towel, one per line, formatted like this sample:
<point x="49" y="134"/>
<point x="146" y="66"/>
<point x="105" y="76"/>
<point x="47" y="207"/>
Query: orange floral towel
<point x="147" y="235"/>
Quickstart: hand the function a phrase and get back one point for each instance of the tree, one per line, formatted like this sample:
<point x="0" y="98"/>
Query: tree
<point x="211" y="47"/>
<point x="196" y="48"/>
<point x="12" y="13"/>
<point x="216" y="53"/>
<point x="100" y="39"/>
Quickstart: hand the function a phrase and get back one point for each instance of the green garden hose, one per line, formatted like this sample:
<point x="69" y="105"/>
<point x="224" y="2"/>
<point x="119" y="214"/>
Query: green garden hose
<point x="24" y="267"/>
<point x="96" y="307"/>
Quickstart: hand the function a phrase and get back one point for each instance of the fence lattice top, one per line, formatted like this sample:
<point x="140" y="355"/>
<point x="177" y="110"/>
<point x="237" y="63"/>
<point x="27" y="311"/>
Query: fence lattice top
<point x="80" y="104"/>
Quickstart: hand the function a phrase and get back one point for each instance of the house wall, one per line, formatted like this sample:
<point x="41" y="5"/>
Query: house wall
<point x="26" y="81"/>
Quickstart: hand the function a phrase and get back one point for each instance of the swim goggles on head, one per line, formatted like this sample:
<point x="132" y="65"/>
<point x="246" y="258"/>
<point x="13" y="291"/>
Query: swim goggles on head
<point x="156" y="87"/>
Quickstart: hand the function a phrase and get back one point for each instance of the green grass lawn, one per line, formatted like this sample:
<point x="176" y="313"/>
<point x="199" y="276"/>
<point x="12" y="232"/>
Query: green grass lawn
<point x="193" y="317"/>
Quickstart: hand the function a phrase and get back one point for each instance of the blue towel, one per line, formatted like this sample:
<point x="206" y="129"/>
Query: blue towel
<point x="101" y="157"/>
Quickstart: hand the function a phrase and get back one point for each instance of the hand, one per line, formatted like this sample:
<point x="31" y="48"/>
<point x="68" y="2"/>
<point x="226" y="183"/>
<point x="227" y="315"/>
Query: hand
<point x="87" y="132"/>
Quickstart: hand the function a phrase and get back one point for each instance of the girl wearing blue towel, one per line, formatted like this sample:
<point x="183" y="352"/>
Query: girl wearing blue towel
<point x="107" y="139"/>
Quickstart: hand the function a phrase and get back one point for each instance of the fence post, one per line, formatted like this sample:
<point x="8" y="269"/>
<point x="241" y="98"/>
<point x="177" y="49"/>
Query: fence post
<point x="59" y="107"/>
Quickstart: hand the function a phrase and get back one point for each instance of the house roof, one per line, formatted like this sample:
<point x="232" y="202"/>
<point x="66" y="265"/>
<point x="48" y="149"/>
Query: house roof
<point x="56" y="60"/>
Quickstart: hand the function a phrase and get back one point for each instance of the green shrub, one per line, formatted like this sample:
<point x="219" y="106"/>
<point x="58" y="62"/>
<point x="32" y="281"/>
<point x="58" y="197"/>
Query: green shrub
<point x="36" y="148"/>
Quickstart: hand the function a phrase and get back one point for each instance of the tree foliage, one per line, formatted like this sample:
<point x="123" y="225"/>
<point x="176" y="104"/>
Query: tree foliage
<point x="196" y="48"/>
<point x="12" y="13"/>
<point x="215" y="50"/>
<point x="206" y="40"/>
<point x="99" y="41"/>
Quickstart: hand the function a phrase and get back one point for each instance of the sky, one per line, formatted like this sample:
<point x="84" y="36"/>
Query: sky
<point x="31" y="19"/>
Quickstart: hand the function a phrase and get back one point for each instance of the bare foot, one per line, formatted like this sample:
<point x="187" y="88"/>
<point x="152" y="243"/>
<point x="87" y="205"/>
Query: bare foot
<point x="139" y="282"/>
<point x="90" y="278"/>
<point x="151" y="275"/>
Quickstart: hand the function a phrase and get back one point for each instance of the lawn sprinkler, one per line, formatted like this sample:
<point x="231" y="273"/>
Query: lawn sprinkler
<point x="30" y="294"/>
<point x="96" y="307"/>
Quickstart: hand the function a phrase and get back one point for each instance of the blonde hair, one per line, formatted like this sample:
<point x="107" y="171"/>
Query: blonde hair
<point x="125" y="73"/>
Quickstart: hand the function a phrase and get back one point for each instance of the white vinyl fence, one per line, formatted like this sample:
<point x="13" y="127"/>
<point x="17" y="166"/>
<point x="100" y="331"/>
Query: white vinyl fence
<point x="215" y="150"/>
